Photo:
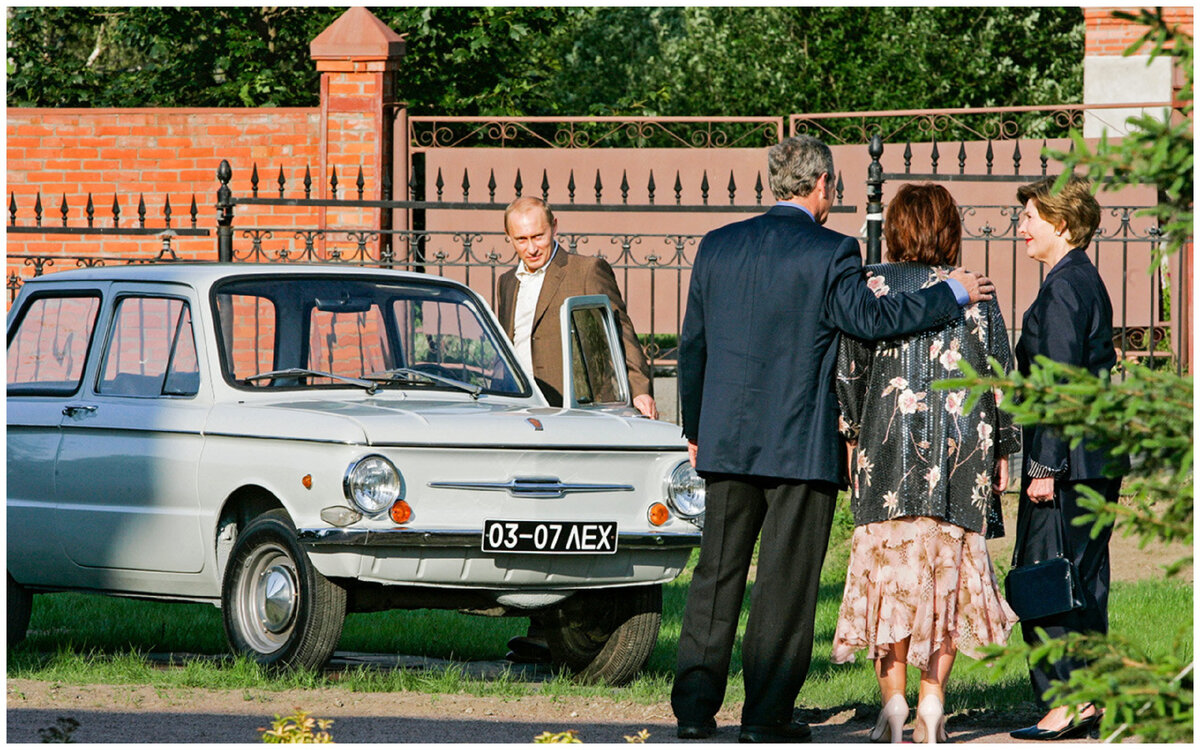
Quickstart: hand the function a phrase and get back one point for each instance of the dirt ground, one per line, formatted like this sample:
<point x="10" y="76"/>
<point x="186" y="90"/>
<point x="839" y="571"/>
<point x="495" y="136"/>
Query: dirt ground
<point x="108" y="713"/>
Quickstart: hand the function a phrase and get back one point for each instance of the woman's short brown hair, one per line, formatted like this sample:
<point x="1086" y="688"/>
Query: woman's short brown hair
<point x="923" y="225"/>
<point x="1073" y="206"/>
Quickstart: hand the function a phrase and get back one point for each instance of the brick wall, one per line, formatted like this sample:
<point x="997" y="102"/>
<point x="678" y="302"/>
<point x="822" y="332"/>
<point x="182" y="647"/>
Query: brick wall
<point x="1108" y="36"/>
<point x="158" y="153"/>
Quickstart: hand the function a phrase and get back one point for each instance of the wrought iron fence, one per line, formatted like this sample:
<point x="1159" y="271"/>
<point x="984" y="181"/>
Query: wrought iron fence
<point x="949" y="125"/>
<point x="432" y="132"/>
<point x="90" y="224"/>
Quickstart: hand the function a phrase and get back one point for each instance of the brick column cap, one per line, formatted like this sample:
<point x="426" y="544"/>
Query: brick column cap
<point x="357" y="36"/>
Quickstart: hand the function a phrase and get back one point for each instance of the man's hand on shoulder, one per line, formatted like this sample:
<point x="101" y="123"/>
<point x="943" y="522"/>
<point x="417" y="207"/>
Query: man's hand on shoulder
<point x="979" y="287"/>
<point x="645" y="404"/>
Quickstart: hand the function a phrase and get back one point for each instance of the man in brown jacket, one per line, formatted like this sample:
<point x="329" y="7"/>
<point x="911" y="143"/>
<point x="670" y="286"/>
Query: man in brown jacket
<point x="530" y="295"/>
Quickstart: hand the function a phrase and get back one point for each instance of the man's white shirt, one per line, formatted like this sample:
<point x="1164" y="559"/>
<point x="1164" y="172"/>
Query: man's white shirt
<point x="528" y="289"/>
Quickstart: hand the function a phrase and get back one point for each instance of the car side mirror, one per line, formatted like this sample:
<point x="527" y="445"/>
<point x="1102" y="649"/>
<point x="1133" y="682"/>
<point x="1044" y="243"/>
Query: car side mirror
<point x="594" y="372"/>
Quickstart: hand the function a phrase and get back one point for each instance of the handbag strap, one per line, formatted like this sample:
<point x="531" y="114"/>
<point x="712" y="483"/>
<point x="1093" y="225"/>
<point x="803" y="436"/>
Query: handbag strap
<point x="1060" y="527"/>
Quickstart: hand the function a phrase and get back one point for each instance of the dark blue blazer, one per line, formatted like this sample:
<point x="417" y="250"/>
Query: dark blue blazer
<point x="758" y="349"/>
<point x="1071" y="322"/>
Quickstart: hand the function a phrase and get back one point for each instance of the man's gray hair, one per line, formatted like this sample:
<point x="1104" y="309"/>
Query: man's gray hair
<point x="795" y="164"/>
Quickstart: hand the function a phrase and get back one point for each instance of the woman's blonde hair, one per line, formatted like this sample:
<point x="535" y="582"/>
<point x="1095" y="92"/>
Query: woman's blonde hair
<point x="1073" y="206"/>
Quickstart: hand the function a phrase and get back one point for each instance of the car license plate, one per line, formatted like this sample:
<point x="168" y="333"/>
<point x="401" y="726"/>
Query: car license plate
<point x="590" y="537"/>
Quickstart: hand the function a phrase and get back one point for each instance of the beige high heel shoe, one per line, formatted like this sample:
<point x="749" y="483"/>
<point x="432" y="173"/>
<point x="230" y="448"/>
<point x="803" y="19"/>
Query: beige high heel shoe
<point x="890" y="725"/>
<point x="930" y="725"/>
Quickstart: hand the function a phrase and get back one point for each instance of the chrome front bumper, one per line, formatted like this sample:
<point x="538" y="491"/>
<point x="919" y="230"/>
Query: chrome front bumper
<point x="472" y="539"/>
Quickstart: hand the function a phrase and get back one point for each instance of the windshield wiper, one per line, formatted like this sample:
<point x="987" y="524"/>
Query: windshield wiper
<point x="409" y="373"/>
<point x="297" y="372"/>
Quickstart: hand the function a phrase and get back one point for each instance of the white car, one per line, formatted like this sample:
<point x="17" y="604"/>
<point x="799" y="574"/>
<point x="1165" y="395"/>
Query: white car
<point x="292" y="443"/>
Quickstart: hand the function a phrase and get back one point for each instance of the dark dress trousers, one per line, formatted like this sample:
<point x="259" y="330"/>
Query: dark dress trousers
<point x="1071" y="322"/>
<point x="757" y="361"/>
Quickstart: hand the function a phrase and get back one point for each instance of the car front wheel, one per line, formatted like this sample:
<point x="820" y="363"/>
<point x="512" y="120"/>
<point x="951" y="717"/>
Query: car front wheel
<point x="20" y="607"/>
<point x="278" y="609"/>
<point x="606" y="635"/>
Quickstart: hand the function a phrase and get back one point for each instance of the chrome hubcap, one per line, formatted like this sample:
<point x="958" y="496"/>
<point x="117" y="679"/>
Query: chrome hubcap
<point x="277" y="602"/>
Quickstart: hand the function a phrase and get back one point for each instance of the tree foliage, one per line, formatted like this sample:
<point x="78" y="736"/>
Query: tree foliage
<point x="561" y="61"/>
<point x="1147" y="415"/>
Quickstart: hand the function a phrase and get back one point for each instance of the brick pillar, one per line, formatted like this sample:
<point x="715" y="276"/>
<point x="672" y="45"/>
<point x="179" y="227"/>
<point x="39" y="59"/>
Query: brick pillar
<point x="357" y="56"/>
<point x="1111" y="78"/>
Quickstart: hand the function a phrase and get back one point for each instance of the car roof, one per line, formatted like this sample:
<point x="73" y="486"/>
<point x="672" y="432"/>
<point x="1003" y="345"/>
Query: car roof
<point x="206" y="274"/>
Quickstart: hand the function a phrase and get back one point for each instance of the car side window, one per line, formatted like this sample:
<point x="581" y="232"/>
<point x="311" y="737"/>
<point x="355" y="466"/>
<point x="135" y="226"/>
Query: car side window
<point x="151" y="350"/>
<point x="48" y="350"/>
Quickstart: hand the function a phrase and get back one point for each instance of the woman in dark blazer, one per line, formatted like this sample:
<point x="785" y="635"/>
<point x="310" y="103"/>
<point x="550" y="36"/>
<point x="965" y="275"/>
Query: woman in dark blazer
<point x="1069" y="322"/>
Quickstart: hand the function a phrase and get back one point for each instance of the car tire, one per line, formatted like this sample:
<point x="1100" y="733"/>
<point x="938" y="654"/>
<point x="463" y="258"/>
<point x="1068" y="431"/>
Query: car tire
<point x="20" y="607"/>
<point x="278" y="609"/>
<point x="606" y="636"/>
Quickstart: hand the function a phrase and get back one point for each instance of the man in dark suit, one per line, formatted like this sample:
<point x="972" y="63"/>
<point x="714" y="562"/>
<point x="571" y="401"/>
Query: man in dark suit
<point x="758" y="353"/>
<point x="529" y="296"/>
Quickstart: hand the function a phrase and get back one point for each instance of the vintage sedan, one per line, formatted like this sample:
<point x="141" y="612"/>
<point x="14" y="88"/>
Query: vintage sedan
<point x="292" y="443"/>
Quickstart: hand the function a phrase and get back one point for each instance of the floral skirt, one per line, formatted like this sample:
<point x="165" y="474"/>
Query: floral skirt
<point x="923" y="579"/>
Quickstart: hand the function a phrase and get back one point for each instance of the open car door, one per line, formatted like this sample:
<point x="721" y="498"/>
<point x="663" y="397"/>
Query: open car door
<point x="594" y="373"/>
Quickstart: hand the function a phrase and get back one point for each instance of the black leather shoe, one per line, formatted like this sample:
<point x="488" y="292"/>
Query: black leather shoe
<point x="797" y="731"/>
<point x="525" y="650"/>
<point x="1072" y="731"/>
<point x="700" y="731"/>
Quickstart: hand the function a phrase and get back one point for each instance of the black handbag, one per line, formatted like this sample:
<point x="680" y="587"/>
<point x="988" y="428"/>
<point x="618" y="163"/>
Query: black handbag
<point x="1047" y="587"/>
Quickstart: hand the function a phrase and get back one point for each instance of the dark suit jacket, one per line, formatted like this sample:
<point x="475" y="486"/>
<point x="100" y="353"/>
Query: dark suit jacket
<point x="1071" y="322"/>
<point x="758" y="351"/>
<point x="569" y="275"/>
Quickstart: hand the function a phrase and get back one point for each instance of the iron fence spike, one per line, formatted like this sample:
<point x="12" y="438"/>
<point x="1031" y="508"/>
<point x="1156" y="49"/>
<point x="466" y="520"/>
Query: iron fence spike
<point x="599" y="186"/>
<point x="519" y="184"/>
<point x="732" y="187"/>
<point x="360" y="183"/>
<point x="962" y="157"/>
<point x="37" y="209"/>
<point x="193" y="211"/>
<point x="91" y="210"/>
<point x="545" y="186"/>
<point x="167" y="211"/>
<point x="254" y="180"/>
<point x="1016" y="157"/>
<point x="141" y="211"/>
<point x="650" y="187"/>
<point x="678" y="188"/>
<point x="704" y="188"/>
<point x="12" y="209"/>
<point x="63" y="209"/>
<point x="758" y="190"/>
<point x="466" y="184"/>
<point x="571" y="186"/>
<point x="624" y="187"/>
<point x="491" y="185"/>
<point x="282" y="181"/>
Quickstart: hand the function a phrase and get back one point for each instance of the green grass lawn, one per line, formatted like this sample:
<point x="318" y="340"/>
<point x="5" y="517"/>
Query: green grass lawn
<point x="76" y="638"/>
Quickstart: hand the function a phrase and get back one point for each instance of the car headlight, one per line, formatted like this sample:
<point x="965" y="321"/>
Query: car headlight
<point x="373" y="484"/>
<point x="685" y="491"/>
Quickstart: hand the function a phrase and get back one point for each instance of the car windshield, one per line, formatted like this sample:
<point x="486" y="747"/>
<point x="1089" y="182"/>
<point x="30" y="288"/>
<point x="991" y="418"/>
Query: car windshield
<point x="328" y="331"/>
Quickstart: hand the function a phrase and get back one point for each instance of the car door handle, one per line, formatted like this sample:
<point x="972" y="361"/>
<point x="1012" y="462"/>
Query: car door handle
<point x="76" y="409"/>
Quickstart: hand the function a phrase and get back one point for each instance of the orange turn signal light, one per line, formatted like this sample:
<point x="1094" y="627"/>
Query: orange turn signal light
<point x="307" y="481"/>
<point x="401" y="512"/>
<point x="658" y="514"/>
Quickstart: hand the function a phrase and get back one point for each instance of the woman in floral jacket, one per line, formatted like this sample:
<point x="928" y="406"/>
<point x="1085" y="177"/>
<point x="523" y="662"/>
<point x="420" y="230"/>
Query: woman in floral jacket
<point x="920" y="585"/>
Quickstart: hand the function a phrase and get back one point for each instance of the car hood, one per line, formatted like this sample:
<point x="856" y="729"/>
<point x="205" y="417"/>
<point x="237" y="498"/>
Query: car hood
<point x="407" y="422"/>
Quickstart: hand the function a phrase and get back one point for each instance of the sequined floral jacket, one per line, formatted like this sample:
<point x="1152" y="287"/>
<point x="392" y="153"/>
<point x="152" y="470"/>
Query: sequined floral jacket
<point x="919" y="453"/>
